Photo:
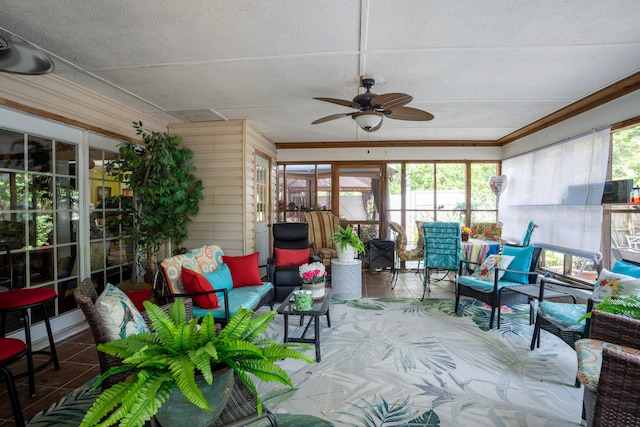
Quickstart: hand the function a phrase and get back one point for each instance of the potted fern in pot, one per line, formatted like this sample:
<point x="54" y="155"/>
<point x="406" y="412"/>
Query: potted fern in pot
<point x="347" y="243"/>
<point x="172" y="363"/>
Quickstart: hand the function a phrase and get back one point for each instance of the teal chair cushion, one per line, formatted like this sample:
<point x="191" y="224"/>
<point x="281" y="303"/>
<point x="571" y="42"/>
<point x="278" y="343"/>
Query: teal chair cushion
<point x="521" y="262"/>
<point x="626" y="268"/>
<point x="220" y="278"/>
<point x="246" y="296"/>
<point x="564" y="315"/>
<point x="482" y="285"/>
<point x="526" y="238"/>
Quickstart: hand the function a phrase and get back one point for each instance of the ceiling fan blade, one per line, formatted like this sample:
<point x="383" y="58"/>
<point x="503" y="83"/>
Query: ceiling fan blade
<point x="331" y="117"/>
<point x="341" y="102"/>
<point x="408" y="113"/>
<point x="390" y="100"/>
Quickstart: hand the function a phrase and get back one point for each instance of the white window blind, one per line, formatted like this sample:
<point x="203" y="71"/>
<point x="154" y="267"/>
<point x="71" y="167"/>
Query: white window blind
<point x="560" y="188"/>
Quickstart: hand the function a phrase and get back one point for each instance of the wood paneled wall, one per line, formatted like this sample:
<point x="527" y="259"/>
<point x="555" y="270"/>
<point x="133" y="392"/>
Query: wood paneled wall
<point x="224" y="157"/>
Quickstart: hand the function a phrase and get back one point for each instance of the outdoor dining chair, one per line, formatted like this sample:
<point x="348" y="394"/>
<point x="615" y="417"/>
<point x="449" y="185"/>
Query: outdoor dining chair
<point x="442" y="250"/>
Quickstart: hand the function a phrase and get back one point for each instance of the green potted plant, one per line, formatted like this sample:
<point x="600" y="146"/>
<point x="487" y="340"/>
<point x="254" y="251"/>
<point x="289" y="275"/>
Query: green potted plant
<point x="177" y="358"/>
<point x="347" y="243"/>
<point x="165" y="195"/>
<point x="623" y="305"/>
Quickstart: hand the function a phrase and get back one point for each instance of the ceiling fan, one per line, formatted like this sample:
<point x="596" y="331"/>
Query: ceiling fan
<point x="372" y="108"/>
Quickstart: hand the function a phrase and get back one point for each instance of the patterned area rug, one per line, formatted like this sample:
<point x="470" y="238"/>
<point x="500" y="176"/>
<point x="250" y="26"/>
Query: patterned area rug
<point x="390" y="362"/>
<point x="405" y="362"/>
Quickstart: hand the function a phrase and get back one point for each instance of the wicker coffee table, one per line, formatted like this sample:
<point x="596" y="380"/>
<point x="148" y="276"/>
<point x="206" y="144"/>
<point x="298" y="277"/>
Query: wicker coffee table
<point x="319" y="308"/>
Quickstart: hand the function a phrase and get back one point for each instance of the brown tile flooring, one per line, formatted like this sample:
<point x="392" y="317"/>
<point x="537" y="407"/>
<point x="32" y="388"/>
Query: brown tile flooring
<point x="79" y="361"/>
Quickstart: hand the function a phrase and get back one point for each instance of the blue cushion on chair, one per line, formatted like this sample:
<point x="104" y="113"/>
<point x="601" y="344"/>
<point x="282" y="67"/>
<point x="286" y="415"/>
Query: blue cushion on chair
<point x="521" y="262"/>
<point x="220" y="278"/>
<point x="626" y="268"/>
<point x="564" y="315"/>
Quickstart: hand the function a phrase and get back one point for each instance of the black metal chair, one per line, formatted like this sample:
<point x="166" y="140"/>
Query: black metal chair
<point x="499" y="292"/>
<point x="287" y="236"/>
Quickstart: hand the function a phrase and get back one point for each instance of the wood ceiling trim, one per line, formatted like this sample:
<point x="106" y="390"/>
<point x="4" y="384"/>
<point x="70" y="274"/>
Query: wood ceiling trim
<point x="66" y="120"/>
<point x="616" y="90"/>
<point x="382" y="144"/>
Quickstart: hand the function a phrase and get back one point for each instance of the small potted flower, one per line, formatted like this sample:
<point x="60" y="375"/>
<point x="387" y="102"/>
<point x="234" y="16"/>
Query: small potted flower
<point x="313" y="276"/>
<point x="465" y="233"/>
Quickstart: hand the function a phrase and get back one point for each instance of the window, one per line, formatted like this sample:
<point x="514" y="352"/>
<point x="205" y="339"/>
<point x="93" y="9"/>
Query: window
<point x="111" y="258"/>
<point x="622" y="222"/>
<point x="39" y="215"/>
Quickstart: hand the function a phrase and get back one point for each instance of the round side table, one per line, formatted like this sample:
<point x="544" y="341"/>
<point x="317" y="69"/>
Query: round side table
<point x="346" y="279"/>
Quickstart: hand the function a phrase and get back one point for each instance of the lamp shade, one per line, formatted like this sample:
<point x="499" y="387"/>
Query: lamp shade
<point x="368" y="120"/>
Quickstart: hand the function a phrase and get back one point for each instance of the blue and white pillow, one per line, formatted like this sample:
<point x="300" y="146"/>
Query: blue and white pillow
<point x="119" y="316"/>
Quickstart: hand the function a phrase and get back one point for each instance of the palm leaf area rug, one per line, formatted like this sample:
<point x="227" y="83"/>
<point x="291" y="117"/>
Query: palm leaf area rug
<point x="405" y="362"/>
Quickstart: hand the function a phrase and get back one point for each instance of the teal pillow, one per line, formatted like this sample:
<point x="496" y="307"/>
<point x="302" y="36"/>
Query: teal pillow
<point x="220" y="278"/>
<point x="521" y="262"/>
<point x="626" y="268"/>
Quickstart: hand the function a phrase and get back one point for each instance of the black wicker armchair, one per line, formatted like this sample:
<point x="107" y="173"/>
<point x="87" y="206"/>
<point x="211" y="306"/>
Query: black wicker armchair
<point x="241" y="407"/>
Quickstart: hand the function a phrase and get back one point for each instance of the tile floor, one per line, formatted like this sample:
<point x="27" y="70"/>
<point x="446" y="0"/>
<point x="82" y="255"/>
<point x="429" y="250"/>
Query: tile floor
<point x="79" y="360"/>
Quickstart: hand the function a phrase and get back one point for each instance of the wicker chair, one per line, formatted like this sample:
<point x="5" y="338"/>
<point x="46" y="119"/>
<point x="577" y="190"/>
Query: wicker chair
<point x="612" y="398"/>
<point x="404" y="254"/>
<point x="241" y="406"/>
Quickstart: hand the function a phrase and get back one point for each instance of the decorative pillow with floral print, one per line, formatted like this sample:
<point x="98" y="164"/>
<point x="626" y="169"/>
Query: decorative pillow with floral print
<point x="487" y="270"/>
<point x="609" y="283"/>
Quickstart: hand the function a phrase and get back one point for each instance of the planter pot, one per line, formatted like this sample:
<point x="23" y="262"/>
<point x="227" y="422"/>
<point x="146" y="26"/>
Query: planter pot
<point x="317" y="289"/>
<point x="138" y="297"/>
<point x="347" y="254"/>
<point x="177" y="410"/>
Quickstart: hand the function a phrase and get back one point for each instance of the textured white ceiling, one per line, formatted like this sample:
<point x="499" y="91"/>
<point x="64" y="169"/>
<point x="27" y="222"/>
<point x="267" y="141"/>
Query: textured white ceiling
<point x="483" y="68"/>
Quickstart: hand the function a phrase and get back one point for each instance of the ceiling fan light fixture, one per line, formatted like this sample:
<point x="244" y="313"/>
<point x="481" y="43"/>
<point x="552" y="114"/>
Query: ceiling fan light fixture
<point x="368" y="120"/>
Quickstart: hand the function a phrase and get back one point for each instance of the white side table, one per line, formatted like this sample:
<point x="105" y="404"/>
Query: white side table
<point x="346" y="279"/>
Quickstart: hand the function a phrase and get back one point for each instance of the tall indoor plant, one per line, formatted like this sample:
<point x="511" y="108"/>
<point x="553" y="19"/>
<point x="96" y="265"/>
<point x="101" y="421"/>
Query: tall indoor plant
<point x="176" y="351"/>
<point x="165" y="191"/>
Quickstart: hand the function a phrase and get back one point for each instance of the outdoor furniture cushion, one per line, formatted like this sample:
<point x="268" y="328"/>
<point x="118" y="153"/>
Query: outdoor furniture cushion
<point x="564" y="315"/>
<point x="220" y="278"/>
<point x="196" y="282"/>
<point x="244" y="269"/>
<point x="521" y="262"/>
<point x="119" y="316"/>
<point x="246" y="296"/>
<point x="486" y="231"/>
<point x="291" y="257"/>
<point x="626" y="268"/>
<point x="589" y="352"/>
<point x="487" y="270"/>
<point x="609" y="283"/>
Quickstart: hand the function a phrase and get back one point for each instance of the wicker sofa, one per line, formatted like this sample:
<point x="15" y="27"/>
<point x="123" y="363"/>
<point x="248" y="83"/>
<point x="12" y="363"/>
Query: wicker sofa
<point x="241" y="407"/>
<point x="609" y="369"/>
<point x="208" y="259"/>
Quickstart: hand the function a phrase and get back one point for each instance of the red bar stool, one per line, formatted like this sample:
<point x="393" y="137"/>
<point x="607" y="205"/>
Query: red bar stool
<point x="11" y="350"/>
<point x="22" y="300"/>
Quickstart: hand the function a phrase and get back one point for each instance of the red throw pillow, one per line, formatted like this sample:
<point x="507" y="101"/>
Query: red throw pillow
<point x="196" y="282"/>
<point x="244" y="270"/>
<point x="292" y="257"/>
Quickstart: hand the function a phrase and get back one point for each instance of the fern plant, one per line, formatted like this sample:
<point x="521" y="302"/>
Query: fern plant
<point x="624" y="305"/>
<point x="346" y="237"/>
<point x="175" y="351"/>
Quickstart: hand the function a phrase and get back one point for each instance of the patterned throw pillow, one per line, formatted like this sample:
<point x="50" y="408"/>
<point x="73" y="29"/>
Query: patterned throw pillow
<point x="609" y="283"/>
<point x="487" y="270"/>
<point x="118" y="314"/>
